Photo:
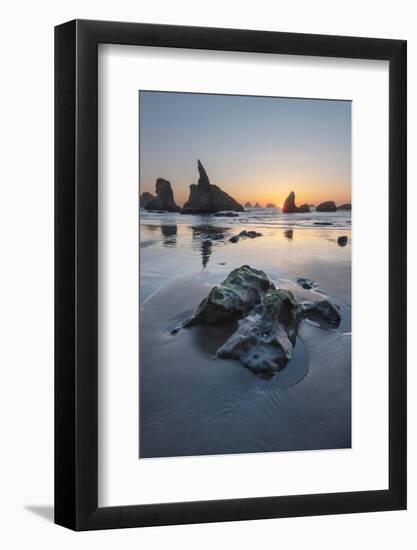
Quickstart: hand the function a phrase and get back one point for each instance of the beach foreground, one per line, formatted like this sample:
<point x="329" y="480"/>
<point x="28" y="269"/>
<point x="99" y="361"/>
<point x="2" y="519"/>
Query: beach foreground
<point x="192" y="403"/>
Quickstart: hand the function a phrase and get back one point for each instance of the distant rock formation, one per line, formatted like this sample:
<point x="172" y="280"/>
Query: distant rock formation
<point x="327" y="206"/>
<point x="164" y="199"/>
<point x="346" y="206"/>
<point x="291" y="208"/>
<point x="145" y="198"/>
<point x="206" y="198"/>
<point x="271" y="205"/>
<point x="248" y="204"/>
<point x="257" y="205"/>
<point x="226" y="215"/>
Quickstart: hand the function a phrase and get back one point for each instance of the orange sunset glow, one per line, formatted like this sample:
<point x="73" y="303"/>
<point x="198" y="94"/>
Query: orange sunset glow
<point x="255" y="149"/>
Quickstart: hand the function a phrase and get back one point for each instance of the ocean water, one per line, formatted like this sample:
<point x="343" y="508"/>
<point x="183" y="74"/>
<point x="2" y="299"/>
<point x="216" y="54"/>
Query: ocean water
<point x="192" y="403"/>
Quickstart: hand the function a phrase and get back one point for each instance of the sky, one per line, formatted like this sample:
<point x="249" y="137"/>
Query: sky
<point x="254" y="148"/>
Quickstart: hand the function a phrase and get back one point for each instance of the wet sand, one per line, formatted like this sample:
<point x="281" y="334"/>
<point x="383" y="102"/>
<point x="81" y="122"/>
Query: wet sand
<point x="192" y="403"/>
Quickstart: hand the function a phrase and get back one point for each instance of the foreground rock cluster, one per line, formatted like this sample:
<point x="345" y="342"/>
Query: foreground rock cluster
<point x="267" y="317"/>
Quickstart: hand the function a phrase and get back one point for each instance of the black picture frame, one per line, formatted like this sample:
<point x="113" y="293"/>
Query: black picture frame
<point x="76" y="272"/>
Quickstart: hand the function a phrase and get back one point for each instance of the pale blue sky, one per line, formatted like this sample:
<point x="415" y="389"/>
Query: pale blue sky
<point x="255" y="148"/>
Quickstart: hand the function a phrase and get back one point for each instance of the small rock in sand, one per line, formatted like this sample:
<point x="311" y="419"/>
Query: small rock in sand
<point x="305" y="283"/>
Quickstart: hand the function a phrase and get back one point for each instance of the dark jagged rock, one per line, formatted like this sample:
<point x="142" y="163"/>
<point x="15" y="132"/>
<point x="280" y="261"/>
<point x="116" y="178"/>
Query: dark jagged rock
<point x="206" y="198"/>
<point x="269" y="318"/>
<point x="265" y="338"/>
<point x="342" y="241"/>
<point x="305" y="283"/>
<point x="226" y="215"/>
<point x="242" y="289"/>
<point x="145" y="198"/>
<point x="324" y="312"/>
<point x="248" y="204"/>
<point x="289" y="233"/>
<point x="289" y="204"/>
<point x="245" y="235"/>
<point x="164" y="199"/>
<point x="257" y="205"/>
<point x="250" y="234"/>
<point x="291" y="208"/>
<point x="327" y="206"/>
<point x="271" y="205"/>
<point x="347" y="207"/>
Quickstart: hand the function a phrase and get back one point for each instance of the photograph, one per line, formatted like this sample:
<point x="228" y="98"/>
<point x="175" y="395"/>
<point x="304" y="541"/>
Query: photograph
<point x="245" y="274"/>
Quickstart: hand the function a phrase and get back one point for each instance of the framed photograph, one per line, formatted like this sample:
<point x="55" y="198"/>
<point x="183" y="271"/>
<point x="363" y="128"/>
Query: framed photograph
<point x="230" y="249"/>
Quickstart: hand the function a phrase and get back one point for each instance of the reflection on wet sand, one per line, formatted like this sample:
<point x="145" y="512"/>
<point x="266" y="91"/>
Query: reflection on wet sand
<point x="204" y="235"/>
<point x="170" y="234"/>
<point x="205" y="252"/>
<point x="211" y="232"/>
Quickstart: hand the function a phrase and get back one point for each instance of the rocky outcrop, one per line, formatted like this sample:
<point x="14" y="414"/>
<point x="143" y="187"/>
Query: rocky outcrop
<point x="257" y="205"/>
<point x="342" y="241"/>
<point x="271" y="205"/>
<point x="269" y="318"/>
<point x="305" y="283"/>
<point x="145" y="199"/>
<point x="291" y="208"/>
<point x="164" y="199"/>
<point x="323" y="311"/>
<point x="347" y="207"/>
<point x="265" y="339"/>
<point x="248" y="205"/>
<point x="245" y="235"/>
<point x="206" y="198"/>
<point x="242" y="289"/>
<point x="327" y="206"/>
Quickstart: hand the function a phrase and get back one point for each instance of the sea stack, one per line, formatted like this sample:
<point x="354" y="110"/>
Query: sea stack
<point x="164" y="199"/>
<point x="145" y="198"/>
<point x="257" y="205"/>
<point x="271" y="205"/>
<point x="248" y="205"/>
<point x="327" y="206"/>
<point x="291" y="208"/>
<point x="206" y="198"/>
<point x="346" y="207"/>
